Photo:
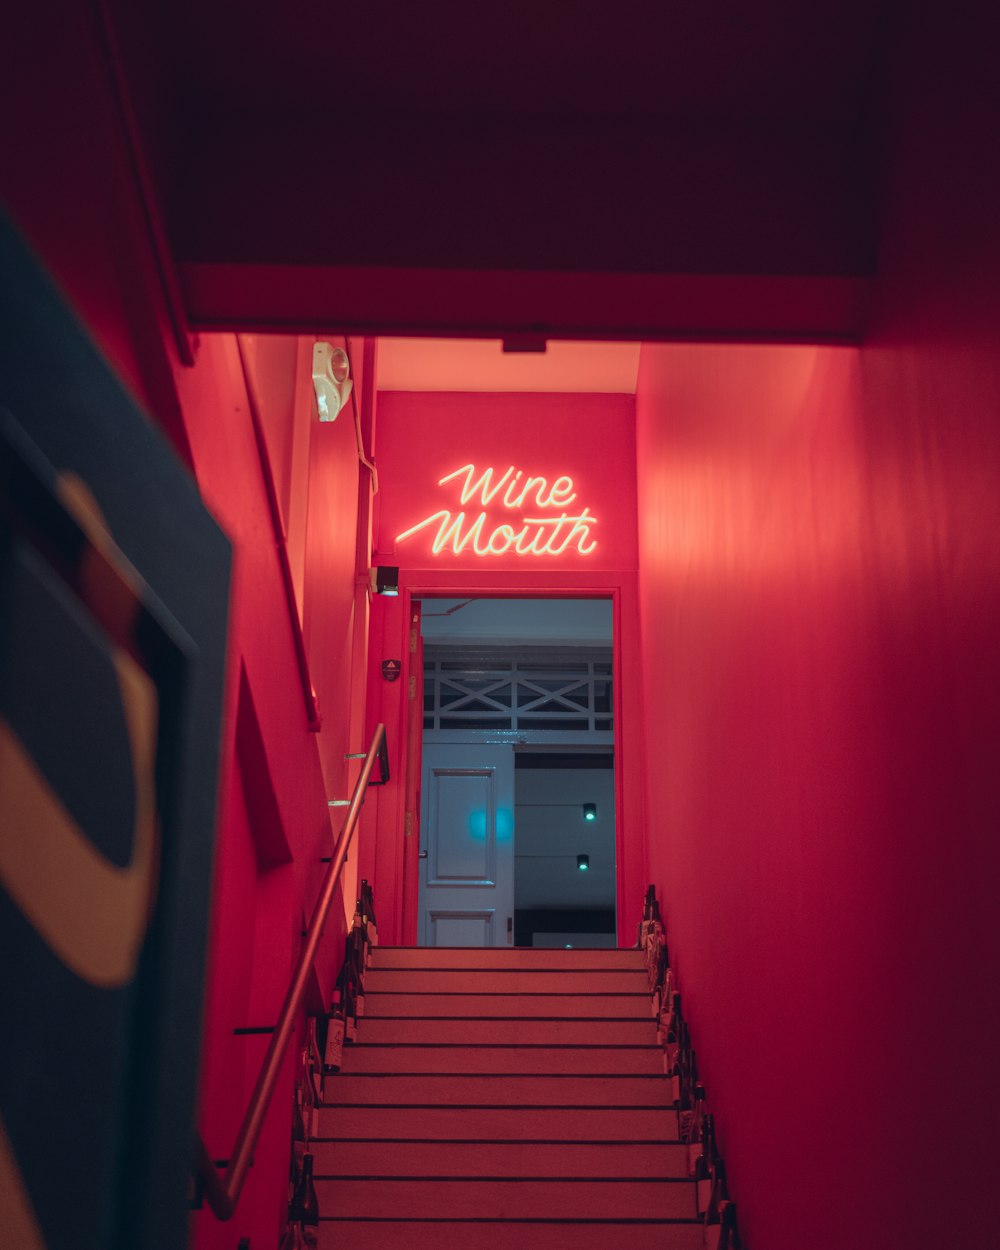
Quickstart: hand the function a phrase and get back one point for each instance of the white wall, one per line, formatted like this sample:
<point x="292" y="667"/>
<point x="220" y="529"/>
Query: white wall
<point x="549" y="833"/>
<point x="579" y="622"/>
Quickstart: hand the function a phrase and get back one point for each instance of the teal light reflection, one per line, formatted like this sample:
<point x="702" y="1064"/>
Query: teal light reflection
<point x="478" y="824"/>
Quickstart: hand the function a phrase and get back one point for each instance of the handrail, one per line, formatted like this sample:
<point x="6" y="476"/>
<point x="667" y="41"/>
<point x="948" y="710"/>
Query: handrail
<point x="223" y="1194"/>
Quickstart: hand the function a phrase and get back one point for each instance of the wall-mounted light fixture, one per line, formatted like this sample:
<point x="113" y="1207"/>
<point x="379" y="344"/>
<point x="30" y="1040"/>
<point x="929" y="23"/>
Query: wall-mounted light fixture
<point x="331" y="374"/>
<point x="385" y="579"/>
<point x="583" y="862"/>
<point x="590" y="811"/>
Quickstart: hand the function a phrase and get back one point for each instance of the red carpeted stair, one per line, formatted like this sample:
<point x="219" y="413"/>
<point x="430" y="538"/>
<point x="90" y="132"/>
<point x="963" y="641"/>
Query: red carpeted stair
<point x="504" y="1098"/>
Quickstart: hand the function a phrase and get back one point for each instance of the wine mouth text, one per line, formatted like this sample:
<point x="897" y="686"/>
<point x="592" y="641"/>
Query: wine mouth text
<point x="502" y="524"/>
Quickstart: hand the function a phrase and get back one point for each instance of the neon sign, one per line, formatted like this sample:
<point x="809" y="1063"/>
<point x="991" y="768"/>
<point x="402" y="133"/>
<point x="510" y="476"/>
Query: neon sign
<point x="511" y="494"/>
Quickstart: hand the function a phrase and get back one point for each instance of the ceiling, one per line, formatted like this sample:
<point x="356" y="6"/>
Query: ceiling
<point x="776" y="59"/>
<point x="656" y="170"/>
<point x="482" y="365"/>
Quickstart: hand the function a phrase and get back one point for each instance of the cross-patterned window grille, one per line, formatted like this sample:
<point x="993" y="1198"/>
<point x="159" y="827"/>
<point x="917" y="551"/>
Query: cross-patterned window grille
<point x="503" y="688"/>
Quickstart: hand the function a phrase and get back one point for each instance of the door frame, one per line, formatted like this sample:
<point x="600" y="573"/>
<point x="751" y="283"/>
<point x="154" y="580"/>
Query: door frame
<point x="630" y="842"/>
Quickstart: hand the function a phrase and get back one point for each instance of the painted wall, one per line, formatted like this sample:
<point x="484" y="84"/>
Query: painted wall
<point x="820" y="588"/>
<point x="274" y="824"/>
<point x="67" y="181"/>
<point x="424" y="436"/>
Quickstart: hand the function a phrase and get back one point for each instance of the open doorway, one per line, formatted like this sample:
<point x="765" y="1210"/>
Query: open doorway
<point x="564" y="853"/>
<point x="518" y="840"/>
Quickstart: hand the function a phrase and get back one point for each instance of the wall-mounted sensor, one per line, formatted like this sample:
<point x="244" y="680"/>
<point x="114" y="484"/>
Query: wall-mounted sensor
<point x="331" y="375"/>
<point x="590" y="811"/>
<point x="385" y="579"/>
<point x="583" y="862"/>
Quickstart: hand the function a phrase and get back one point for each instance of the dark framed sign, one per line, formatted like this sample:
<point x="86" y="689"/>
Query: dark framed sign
<point x="113" y="603"/>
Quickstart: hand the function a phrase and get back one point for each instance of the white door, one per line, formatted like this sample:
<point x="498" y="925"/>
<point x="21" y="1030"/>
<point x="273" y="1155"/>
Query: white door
<point x="467" y="845"/>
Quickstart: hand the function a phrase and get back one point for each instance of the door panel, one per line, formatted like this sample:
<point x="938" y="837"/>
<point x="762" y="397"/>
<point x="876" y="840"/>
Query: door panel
<point x="467" y="852"/>
<point x="463" y="816"/>
<point x="449" y="928"/>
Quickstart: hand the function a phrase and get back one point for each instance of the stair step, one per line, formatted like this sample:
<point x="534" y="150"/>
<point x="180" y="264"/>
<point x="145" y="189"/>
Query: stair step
<point x="497" y="1123"/>
<point x="508" y="981"/>
<point x="519" y="1006"/>
<point x="627" y="1160"/>
<point x="355" y="1198"/>
<point x="499" y="1099"/>
<point x="502" y="957"/>
<point x="364" y="1057"/>
<point x="442" y="1089"/>
<point x="522" y="1234"/>
<point x="466" y="1032"/>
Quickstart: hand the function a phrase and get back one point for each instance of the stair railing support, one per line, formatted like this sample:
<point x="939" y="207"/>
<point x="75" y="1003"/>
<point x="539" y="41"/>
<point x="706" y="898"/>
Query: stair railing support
<point x="222" y="1193"/>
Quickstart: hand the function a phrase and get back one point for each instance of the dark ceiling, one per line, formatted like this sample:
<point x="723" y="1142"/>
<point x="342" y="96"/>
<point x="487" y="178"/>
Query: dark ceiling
<point x="674" y="141"/>
<point x="778" y="60"/>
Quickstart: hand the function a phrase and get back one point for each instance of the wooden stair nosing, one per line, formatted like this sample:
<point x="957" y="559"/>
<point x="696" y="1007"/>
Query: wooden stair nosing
<point x="525" y="1234"/>
<point x="625" y="1160"/>
<point x="494" y="1123"/>
<point x="486" y="1006"/>
<point x="504" y="1089"/>
<point x="509" y="980"/>
<point x="505" y="957"/>
<point x="497" y="1031"/>
<point x="456" y="1059"/>
<point x="521" y="1198"/>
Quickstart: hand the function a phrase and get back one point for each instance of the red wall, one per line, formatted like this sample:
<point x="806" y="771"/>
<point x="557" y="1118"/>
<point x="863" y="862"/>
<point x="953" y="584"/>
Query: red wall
<point x="421" y="437"/>
<point x="274" y="823"/>
<point x="820" y="589"/>
<point x="67" y="181"/>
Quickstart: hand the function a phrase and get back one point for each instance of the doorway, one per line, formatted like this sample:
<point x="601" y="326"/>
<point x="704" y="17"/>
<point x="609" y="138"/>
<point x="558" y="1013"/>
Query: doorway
<point x="564" y="857"/>
<point x="517" y="811"/>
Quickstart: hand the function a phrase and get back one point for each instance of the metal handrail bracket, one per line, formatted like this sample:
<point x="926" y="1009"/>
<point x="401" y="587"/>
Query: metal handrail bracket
<point x="222" y="1193"/>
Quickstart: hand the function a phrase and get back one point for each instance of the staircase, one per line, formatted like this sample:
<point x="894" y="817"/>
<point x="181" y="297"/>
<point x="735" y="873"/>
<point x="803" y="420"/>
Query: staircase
<point x="508" y="1098"/>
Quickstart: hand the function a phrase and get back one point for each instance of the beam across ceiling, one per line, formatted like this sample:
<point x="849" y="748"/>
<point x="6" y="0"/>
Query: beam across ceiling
<point x="490" y="304"/>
